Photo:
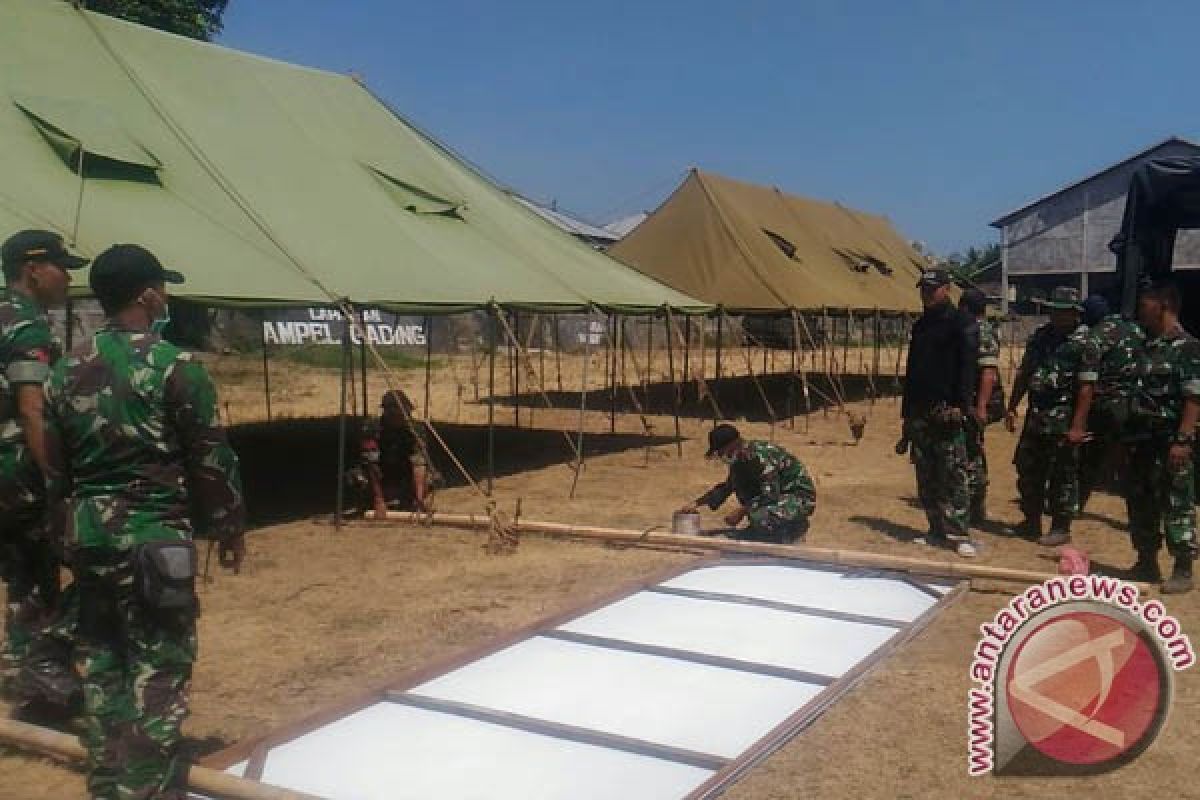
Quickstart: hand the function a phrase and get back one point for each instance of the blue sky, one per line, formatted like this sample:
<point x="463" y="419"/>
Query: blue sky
<point x="941" y="115"/>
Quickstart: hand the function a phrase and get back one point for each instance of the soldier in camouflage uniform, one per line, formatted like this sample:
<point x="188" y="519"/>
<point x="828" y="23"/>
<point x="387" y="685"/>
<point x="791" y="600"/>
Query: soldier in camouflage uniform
<point x="35" y="265"/>
<point x="1107" y="383"/>
<point x="773" y="489"/>
<point x="987" y="387"/>
<point x="1161" y="491"/>
<point x="938" y="397"/>
<point x="137" y="466"/>
<point x="1047" y="462"/>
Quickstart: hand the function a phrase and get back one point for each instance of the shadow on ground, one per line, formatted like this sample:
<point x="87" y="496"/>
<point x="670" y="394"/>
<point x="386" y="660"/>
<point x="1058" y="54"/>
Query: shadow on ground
<point x="290" y="467"/>
<point x="737" y="397"/>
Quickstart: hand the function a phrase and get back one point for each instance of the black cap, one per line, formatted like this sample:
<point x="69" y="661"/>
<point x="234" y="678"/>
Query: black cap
<point x="38" y="246"/>
<point x="935" y="278"/>
<point x="721" y="437"/>
<point x="395" y="398"/>
<point x="973" y="300"/>
<point x="123" y="270"/>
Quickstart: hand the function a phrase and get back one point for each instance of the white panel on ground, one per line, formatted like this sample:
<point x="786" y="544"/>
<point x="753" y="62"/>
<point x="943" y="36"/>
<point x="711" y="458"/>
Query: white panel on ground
<point x="629" y="694"/>
<point x="872" y="595"/>
<point x="747" y="633"/>
<point x="392" y="752"/>
<point x="649" y="697"/>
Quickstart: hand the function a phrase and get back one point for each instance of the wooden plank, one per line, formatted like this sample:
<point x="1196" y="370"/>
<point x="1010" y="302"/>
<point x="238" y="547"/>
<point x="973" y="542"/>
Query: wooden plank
<point x="812" y="611"/>
<point x="852" y="558"/>
<point x="559" y="730"/>
<point x="691" y="656"/>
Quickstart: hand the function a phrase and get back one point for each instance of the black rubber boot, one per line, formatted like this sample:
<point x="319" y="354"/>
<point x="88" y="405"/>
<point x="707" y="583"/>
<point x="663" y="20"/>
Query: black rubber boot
<point x="1180" y="581"/>
<point x="978" y="513"/>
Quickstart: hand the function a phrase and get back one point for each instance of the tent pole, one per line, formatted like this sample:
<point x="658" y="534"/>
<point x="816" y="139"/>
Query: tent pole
<point x="341" y="498"/>
<point x="362" y="356"/>
<point x="687" y="349"/>
<point x="262" y="332"/>
<point x="649" y="359"/>
<point x="674" y="386"/>
<point x="612" y="395"/>
<point x="583" y="393"/>
<point x="491" y="432"/>
<point x="720" y="336"/>
<point x="515" y="371"/>
<point x="428" y="362"/>
<point x="558" y="350"/>
<point x="703" y="354"/>
<point x="792" y="374"/>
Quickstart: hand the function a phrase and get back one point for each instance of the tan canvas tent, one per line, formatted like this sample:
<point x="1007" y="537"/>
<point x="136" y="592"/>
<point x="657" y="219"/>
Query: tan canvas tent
<point x="755" y="248"/>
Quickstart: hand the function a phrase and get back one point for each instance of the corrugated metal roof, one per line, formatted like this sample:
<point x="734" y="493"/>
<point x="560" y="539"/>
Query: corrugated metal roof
<point x="1000" y="222"/>
<point x="572" y="225"/>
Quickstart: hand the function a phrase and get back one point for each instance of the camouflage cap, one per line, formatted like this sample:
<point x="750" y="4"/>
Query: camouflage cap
<point x="1063" y="298"/>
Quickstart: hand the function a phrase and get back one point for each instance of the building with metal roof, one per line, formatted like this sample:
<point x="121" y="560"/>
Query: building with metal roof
<point x="1062" y="237"/>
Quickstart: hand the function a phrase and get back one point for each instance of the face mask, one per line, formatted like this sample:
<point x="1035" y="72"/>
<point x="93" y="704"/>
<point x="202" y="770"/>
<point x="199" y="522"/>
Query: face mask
<point x="159" y="325"/>
<point x="727" y="459"/>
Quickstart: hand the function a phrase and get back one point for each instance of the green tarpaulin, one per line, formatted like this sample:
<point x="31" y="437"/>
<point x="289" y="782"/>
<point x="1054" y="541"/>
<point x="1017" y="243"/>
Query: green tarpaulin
<point x="266" y="182"/>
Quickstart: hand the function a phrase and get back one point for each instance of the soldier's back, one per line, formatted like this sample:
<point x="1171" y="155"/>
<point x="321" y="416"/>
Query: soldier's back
<point x="111" y="405"/>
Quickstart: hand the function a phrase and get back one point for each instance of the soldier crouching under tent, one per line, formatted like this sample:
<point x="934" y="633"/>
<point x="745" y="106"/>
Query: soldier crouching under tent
<point x="393" y="470"/>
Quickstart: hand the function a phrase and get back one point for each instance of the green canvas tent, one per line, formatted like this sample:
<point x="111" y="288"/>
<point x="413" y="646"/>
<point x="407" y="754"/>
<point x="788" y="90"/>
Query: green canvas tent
<point x="265" y="182"/>
<point x="754" y="248"/>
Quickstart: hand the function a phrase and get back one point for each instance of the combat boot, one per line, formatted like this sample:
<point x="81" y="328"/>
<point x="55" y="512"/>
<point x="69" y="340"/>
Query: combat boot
<point x="1145" y="569"/>
<point x="1030" y="528"/>
<point x="1060" y="533"/>
<point x="1180" y="581"/>
<point x="978" y="513"/>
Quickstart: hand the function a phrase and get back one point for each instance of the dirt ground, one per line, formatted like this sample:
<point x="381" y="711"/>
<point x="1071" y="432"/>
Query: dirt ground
<point x="318" y="615"/>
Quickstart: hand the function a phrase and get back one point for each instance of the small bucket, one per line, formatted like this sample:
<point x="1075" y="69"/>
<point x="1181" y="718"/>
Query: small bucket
<point x="687" y="524"/>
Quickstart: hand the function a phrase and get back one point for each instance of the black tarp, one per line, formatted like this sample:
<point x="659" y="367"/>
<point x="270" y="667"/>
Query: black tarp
<point x="1164" y="197"/>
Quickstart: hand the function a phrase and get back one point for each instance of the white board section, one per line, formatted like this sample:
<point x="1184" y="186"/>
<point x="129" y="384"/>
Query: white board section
<point x="668" y="693"/>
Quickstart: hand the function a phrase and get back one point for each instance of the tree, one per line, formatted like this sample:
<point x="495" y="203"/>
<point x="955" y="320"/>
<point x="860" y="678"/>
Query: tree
<point x="197" y="19"/>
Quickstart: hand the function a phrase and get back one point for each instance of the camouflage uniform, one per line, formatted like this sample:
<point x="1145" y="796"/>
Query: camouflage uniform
<point x="976" y="458"/>
<point x="138" y="460"/>
<point x="939" y="456"/>
<point x="774" y="488"/>
<point x="27" y="563"/>
<point x="1162" y="499"/>
<point x="1110" y="360"/>
<point x="1047" y="465"/>
<point x="389" y="452"/>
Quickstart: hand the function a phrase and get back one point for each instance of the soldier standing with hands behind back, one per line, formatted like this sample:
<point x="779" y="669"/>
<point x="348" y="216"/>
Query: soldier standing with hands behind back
<point x="938" y="394"/>
<point x="137" y="464"/>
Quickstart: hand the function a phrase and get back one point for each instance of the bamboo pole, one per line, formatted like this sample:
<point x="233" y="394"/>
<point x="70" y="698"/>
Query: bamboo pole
<point x="199" y="779"/>
<point x="652" y="538"/>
